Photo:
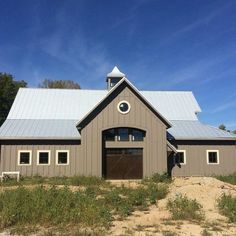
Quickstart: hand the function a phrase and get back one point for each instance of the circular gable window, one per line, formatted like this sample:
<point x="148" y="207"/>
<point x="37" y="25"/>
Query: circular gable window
<point x="123" y="107"/>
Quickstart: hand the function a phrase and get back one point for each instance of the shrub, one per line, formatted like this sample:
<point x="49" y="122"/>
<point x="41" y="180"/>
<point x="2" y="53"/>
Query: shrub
<point x="183" y="208"/>
<point x="138" y="197"/>
<point x="86" y="180"/>
<point x="156" y="192"/>
<point x="205" y="232"/>
<point x="161" y="178"/>
<point x="51" y="207"/>
<point x="227" y="178"/>
<point x="158" y="178"/>
<point x="121" y="205"/>
<point x="227" y="206"/>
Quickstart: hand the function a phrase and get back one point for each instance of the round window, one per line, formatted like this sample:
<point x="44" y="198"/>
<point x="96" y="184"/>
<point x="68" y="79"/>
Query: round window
<point x="123" y="107"/>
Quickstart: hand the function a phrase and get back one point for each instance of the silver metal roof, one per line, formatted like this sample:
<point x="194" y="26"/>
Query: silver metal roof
<point x="195" y="130"/>
<point x="39" y="129"/>
<point x="53" y="114"/>
<point x="73" y="104"/>
<point x="66" y="129"/>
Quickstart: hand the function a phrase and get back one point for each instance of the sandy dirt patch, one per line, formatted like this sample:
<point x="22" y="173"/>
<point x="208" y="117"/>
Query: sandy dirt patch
<point x="157" y="220"/>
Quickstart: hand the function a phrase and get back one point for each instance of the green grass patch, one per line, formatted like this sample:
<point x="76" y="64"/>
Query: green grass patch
<point x="95" y="205"/>
<point x="227" y="178"/>
<point x="73" y="181"/>
<point x="183" y="208"/>
<point x="51" y="207"/>
<point x="227" y="206"/>
<point x="158" y="178"/>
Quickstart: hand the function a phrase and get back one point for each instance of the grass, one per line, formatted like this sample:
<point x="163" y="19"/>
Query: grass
<point x="205" y="232"/>
<point x="73" y="181"/>
<point x="227" y="178"/>
<point x="94" y="206"/>
<point x="227" y="206"/>
<point x="183" y="208"/>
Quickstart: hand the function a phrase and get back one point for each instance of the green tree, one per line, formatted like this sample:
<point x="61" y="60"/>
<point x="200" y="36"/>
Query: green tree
<point x="61" y="84"/>
<point x="222" y="126"/>
<point x="8" y="91"/>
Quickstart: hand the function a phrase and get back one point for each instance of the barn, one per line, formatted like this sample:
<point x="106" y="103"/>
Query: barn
<point x="117" y="133"/>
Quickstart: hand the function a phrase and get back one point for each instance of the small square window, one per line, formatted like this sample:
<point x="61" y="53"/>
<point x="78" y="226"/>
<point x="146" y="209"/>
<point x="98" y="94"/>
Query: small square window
<point x="62" y="157"/>
<point x="24" y="157"/>
<point x="180" y="157"/>
<point x="44" y="157"/>
<point x="212" y="157"/>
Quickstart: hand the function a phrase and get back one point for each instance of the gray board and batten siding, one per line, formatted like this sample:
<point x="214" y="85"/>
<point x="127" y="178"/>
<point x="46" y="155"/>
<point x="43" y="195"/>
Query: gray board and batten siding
<point x="196" y="158"/>
<point x="86" y="155"/>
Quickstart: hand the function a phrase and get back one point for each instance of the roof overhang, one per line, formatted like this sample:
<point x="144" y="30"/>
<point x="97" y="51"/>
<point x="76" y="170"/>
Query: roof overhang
<point x="171" y="147"/>
<point x="204" y="139"/>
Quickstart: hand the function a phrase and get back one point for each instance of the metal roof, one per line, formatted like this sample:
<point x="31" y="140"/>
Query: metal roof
<point x="195" y="130"/>
<point x="53" y="114"/>
<point x="74" y="104"/>
<point x="39" y="129"/>
<point x="66" y="129"/>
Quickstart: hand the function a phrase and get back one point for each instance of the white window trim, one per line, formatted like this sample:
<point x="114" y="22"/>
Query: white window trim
<point x="49" y="157"/>
<point x="123" y="112"/>
<point x="218" y="157"/>
<point x="184" y="152"/>
<point x="68" y="157"/>
<point x="30" y="157"/>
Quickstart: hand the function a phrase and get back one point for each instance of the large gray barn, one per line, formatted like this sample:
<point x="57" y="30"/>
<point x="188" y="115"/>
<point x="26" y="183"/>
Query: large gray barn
<point x="118" y="133"/>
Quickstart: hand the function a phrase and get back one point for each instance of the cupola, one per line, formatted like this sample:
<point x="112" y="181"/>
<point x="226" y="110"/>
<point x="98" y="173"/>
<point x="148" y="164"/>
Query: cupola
<point x="114" y="77"/>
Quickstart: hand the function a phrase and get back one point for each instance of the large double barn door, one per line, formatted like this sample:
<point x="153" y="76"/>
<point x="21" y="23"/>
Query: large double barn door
<point x="123" y="163"/>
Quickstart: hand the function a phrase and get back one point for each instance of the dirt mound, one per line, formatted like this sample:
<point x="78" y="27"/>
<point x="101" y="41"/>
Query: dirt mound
<point x="157" y="221"/>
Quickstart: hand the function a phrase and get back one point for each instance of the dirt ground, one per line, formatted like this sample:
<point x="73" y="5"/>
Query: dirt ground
<point x="157" y="220"/>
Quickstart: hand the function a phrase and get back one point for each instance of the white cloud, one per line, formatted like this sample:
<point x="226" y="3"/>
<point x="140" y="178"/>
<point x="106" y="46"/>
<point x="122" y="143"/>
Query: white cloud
<point x="224" y="106"/>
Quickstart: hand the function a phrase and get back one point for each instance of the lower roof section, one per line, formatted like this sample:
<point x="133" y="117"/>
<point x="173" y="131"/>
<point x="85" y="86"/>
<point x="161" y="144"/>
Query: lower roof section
<point x="39" y="129"/>
<point x="66" y="130"/>
<point x="195" y="130"/>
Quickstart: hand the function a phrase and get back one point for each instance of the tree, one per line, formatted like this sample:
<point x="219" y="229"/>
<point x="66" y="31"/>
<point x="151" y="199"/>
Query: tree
<point x="8" y="90"/>
<point x="234" y="132"/>
<point x="61" y="84"/>
<point x="222" y="126"/>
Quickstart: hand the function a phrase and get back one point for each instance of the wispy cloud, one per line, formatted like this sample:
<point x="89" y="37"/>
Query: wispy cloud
<point x="203" y="20"/>
<point x="225" y="106"/>
<point x="197" y="70"/>
<point x="132" y="13"/>
<point x="87" y="58"/>
<point x="199" y="22"/>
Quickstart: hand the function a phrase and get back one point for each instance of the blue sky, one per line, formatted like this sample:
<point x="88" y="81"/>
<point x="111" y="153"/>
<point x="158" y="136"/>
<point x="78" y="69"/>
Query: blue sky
<point x="159" y="45"/>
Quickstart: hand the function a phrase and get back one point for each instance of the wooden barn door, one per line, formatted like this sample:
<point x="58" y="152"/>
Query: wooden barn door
<point x="123" y="163"/>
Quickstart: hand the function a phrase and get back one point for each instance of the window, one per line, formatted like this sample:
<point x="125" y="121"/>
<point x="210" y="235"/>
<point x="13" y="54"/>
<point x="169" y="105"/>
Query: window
<point x="180" y="157"/>
<point x="24" y="157"/>
<point x="123" y="107"/>
<point x="137" y="135"/>
<point x="123" y="134"/>
<point x="110" y="135"/>
<point x="43" y="157"/>
<point x="212" y="157"/>
<point x="62" y="157"/>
